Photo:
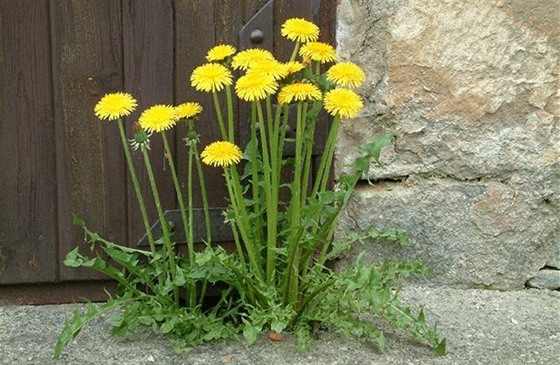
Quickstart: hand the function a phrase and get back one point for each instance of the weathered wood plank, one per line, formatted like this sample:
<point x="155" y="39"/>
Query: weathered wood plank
<point x="285" y="9"/>
<point x="249" y="8"/>
<point x="91" y="176"/>
<point x="28" y="232"/>
<point x="148" y="38"/>
<point x="196" y="34"/>
<point x="57" y="293"/>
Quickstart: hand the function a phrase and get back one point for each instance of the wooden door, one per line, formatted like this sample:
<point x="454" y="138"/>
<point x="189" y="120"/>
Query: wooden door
<point x="57" y="59"/>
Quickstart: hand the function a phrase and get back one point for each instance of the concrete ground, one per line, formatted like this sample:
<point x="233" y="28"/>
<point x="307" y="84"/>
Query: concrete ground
<point x="481" y="327"/>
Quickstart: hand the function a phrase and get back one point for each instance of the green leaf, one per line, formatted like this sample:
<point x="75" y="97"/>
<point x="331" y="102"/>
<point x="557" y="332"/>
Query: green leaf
<point x="77" y="221"/>
<point x="73" y="258"/>
<point x="278" y="325"/>
<point x="373" y="149"/>
<point x="361" y="164"/>
<point x="303" y="335"/>
<point x="180" y="278"/>
<point x="250" y="332"/>
<point x="421" y="317"/>
<point x="441" y="348"/>
<point x="73" y="327"/>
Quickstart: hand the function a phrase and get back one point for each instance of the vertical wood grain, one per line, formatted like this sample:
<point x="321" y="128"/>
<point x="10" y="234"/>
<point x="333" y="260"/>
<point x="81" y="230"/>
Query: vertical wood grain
<point x="87" y="62"/>
<point x="249" y="8"/>
<point x="285" y="9"/>
<point x="196" y="34"/>
<point x="28" y="226"/>
<point x="56" y="158"/>
<point x="148" y="43"/>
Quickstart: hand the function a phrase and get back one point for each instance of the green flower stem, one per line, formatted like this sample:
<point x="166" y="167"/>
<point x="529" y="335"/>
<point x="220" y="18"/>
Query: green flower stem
<point x="329" y="225"/>
<point x="255" y="172"/>
<point x="326" y="160"/>
<point x="277" y="155"/>
<point x="282" y="137"/>
<point x="278" y="132"/>
<point x="219" y="115"/>
<point x="137" y="189"/>
<point x="231" y="126"/>
<point x="164" y="227"/>
<point x="318" y="68"/>
<point x="307" y="156"/>
<point x="295" y="51"/>
<point x="179" y="193"/>
<point x="290" y="279"/>
<point x="238" y="247"/>
<point x="187" y="227"/>
<point x="202" y="293"/>
<point x="271" y="207"/>
<point x="237" y="202"/>
<point x="204" y="194"/>
<point x="190" y="234"/>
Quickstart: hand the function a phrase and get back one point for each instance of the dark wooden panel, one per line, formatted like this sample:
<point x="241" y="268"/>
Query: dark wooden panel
<point x="321" y="12"/>
<point x="249" y="8"/>
<point x="66" y="292"/>
<point x="195" y="35"/>
<point x="227" y="20"/>
<point x="28" y="233"/>
<point x="325" y="16"/>
<point x="285" y="9"/>
<point x="91" y="172"/>
<point x="148" y="38"/>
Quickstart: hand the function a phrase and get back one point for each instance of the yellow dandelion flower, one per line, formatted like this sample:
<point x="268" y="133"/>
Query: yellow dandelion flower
<point x="276" y="69"/>
<point x="294" y="66"/>
<point x="211" y="77"/>
<point x="318" y="51"/>
<point x="299" y="91"/>
<point x="346" y="74"/>
<point x="114" y="106"/>
<point x="244" y="59"/>
<point x="188" y="110"/>
<point x="343" y="102"/>
<point x="221" y="153"/>
<point x="300" y="30"/>
<point x="255" y="86"/>
<point x="158" y="118"/>
<point x="220" y="52"/>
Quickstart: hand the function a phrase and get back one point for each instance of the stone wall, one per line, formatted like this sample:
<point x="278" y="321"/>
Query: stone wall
<point x="470" y="89"/>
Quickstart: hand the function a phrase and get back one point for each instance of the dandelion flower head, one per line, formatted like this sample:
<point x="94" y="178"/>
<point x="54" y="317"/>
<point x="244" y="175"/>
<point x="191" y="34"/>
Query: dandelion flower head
<point x="294" y="66"/>
<point x="300" y="30"/>
<point x="277" y="70"/>
<point x="188" y="110"/>
<point x="318" y="51"/>
<point x="343" y="102"/>
<point x="346" y="74"/>
<point x="158" y="118"/>
<point x="299" y="91"/>
<point x="221" y="153"/>
<point x="220" y="52"/>
<point x="244" y="59"/>
<point x="115" y="105"/>
<point x="211" y="77"/>
<point x="255" y="86"/>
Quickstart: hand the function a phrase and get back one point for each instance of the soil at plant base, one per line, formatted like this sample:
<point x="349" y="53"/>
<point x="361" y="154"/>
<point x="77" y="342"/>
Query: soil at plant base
<point x="481" y="327"/>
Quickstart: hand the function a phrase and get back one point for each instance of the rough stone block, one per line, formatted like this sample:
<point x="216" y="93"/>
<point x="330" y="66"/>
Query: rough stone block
<point x="545" y="279"/>
<point x="469" y="235"/>
<point x="470" y="89"/>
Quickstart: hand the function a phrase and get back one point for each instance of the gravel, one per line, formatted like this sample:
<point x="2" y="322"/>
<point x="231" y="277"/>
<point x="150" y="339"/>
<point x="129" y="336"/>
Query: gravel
<point x="481" y="327"/>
